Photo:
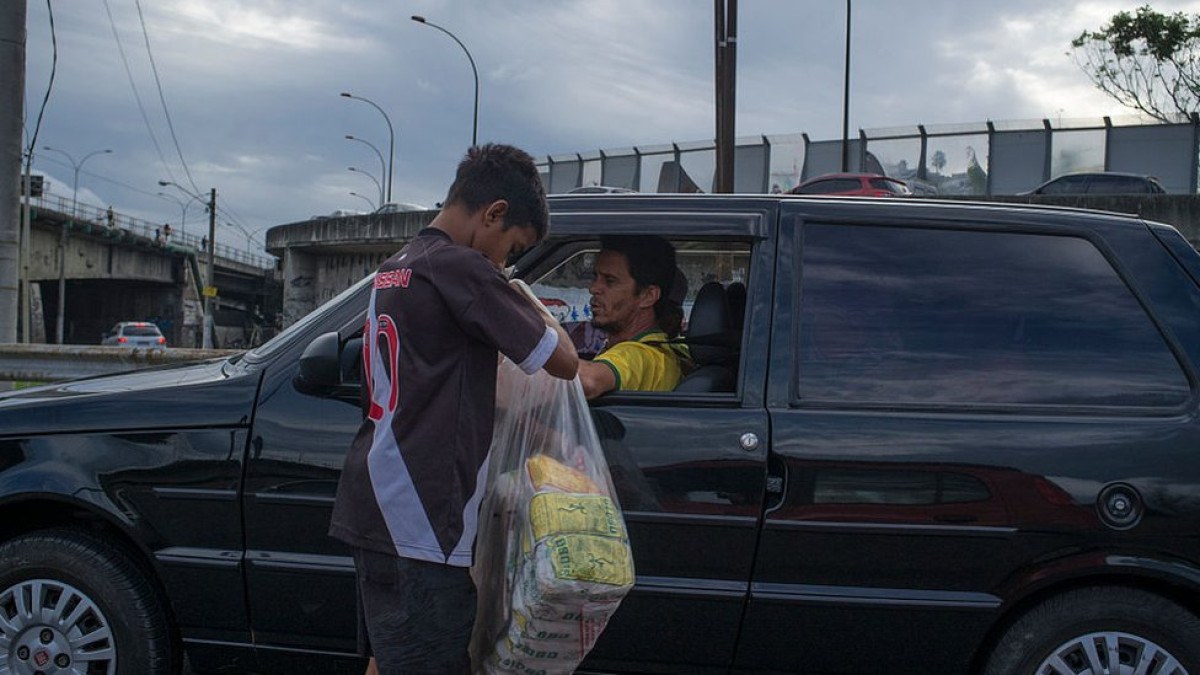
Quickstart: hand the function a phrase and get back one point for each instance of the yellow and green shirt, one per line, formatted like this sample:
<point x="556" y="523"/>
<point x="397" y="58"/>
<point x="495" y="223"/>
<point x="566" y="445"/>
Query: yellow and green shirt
<point x="646" y="363"/>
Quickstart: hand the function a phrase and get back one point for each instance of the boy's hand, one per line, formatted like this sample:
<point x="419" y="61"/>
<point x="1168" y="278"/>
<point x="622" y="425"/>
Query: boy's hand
<point x="528" y="293"/>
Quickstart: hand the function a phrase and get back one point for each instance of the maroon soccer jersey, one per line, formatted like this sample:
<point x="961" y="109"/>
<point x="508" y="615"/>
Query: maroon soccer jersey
<point x="413" y="478"/>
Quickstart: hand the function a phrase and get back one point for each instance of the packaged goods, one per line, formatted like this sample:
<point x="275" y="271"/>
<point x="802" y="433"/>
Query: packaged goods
<point x="552" y="560"/>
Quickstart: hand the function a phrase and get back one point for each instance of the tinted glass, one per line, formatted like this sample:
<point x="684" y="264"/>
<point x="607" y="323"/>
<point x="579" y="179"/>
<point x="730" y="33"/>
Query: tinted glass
<point x="892" y="186"/>
<point x="141" y="331"/>
<point x="922" y="316"/>
<point x="1065" y="185"/>
<point x="1116" y="185"/>
<point x="824" y="187"/>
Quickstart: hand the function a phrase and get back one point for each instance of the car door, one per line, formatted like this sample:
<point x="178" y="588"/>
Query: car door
<point x="300" y="581"/>
<point x="688" y="469"/>
<point x="946" y="400"/>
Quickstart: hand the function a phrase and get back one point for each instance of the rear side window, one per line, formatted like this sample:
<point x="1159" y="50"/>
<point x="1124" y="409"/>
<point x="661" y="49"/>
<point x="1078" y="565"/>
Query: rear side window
<point x="824" y="187"/>
<point x="928" y="316"/>
<point x="1117" y="185"/>
<point x="894" y="187"/>
<point x="1067" y="185"/>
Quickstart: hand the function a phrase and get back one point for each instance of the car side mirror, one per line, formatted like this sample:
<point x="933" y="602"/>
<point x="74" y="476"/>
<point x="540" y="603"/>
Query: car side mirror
<point x="320" y="365"/>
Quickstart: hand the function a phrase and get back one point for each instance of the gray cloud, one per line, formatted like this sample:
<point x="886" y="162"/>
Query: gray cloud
<point x="252" y="85"/>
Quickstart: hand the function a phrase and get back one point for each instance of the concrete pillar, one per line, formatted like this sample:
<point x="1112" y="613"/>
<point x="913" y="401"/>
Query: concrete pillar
<point x="299" y="285"/>
<point x="12" y="91"/>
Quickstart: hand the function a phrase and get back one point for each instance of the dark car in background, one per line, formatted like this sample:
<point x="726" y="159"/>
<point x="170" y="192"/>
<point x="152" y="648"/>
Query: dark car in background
<point x="1100" y="183"/>
<point x="920" y="437"/>
<point x="860" y="184"/>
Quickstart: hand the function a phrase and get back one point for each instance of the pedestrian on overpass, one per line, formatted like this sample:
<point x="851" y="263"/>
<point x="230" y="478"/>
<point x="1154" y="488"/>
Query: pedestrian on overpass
<point x="407" y="502"/>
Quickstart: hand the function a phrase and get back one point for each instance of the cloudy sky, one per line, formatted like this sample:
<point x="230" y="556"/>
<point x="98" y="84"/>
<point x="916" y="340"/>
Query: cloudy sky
<point x="251" y="86"/>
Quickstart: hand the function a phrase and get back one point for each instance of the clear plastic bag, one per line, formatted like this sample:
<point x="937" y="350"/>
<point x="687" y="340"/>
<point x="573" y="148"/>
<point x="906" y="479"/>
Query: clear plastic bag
<point x="552" y="559"/>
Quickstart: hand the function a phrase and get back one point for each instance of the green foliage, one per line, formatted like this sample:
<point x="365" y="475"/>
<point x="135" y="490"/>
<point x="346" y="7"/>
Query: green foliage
<point x="1146" y="60"/>
<point x="938" y="161"/>
<point x="976" y="176"/>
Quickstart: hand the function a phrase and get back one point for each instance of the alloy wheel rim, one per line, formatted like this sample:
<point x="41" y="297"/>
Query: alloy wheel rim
<point x="50" y="627"/>
<point x="1110" y="653"/>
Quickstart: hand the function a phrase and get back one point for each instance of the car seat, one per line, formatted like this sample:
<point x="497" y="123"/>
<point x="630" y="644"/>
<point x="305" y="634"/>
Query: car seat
<point x="708" y="339"/>
<point x="735" y="292"/>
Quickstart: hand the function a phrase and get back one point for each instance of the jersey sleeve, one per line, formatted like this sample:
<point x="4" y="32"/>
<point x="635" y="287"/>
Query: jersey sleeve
<point x="636" y="365"/>
<point x="491" y="311"/>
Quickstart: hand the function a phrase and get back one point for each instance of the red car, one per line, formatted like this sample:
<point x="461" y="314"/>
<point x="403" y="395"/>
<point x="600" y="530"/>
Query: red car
<point x="862" y="184"/>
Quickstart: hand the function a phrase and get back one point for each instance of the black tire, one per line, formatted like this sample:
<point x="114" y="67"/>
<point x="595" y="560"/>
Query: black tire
<point x="98" y="589"/>
<point x="1067" y="624"/>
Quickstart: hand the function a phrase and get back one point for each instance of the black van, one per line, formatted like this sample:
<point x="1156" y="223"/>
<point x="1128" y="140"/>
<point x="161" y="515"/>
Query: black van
<point x="945" y="438"/>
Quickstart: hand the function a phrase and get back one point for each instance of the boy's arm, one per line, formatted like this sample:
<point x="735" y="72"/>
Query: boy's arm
<point x="564" y="362"/>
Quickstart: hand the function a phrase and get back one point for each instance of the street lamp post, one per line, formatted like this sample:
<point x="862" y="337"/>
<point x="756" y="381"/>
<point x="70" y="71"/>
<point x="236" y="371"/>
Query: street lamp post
<point x="366" y="199"/>
<point x="382" y="166"/>
<point x="474" y="71"/>
<point x="368" y="175"/>
<point x="249" y="234"/>
<point x="183" y="207"/>
<point x="62" y="242"/>
<point x="391" y="140"/>
<point x="206" y="330"/>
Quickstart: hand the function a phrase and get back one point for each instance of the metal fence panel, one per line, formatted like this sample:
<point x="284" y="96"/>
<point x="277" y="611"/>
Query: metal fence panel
<point x="565" y="176"/>
<point x="750" y="168"/>
<point x="1018" y="161"/>
<point x="620" y="171"/>
<point x="1165" y="151"/>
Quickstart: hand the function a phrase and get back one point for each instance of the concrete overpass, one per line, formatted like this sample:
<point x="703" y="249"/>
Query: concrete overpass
<point x="120" y="268"/>
<point x="322" y="257"/>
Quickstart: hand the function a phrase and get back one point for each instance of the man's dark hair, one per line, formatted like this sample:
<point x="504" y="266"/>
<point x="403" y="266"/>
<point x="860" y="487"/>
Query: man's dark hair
<point x="651" y="262"/>
<point x="494" y="171"/>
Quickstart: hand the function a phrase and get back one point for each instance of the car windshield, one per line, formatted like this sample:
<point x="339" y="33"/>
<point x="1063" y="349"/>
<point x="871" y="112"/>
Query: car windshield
<point x="269" y="347"/>
<point x="141" y="331"/>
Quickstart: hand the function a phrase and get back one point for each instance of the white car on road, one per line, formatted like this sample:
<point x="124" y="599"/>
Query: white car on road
<point x="135" y="334"/>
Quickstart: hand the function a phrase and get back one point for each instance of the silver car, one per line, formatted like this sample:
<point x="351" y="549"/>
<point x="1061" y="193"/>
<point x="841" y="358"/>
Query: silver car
<point x="135" y="334"/>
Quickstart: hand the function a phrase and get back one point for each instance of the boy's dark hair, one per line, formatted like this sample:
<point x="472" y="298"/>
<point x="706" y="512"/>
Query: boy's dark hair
<point x="651" y="262"/>
<point x="494" y="171"/>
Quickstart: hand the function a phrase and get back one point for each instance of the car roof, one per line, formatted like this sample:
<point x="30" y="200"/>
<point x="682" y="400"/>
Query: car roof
<point x="1120" y="174"/>
<point x="850" y="175"/>
<point x="584" y="215"/>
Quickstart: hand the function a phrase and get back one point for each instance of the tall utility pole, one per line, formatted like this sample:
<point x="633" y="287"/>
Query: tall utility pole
<point x="210" y="286"/>
<point x="846" y="99"/>
<point x="209" y="289"/>
<point x="12" y="97"/>
<point x="726" y="91"/>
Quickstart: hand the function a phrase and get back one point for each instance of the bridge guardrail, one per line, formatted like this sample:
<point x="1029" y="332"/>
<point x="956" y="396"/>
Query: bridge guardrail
<point x="86" y="213"/>
<point x="52" y="363"/>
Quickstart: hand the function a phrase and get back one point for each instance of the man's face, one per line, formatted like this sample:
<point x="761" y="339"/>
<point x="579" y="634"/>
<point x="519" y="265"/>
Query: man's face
<point x="615" y="299"/>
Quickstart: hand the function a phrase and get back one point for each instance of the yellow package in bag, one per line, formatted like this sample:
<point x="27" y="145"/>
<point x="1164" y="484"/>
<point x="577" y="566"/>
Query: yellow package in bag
<point x="566" y="513"/>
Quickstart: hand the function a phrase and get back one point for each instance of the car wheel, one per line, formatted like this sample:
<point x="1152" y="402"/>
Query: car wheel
<point x="1101" y="631"/>
<point x="71" y="602"/>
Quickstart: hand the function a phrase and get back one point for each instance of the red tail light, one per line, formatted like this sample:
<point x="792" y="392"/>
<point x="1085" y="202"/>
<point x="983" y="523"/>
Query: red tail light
<point x="122" y="340"/>
<point x="162" y="340"/>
